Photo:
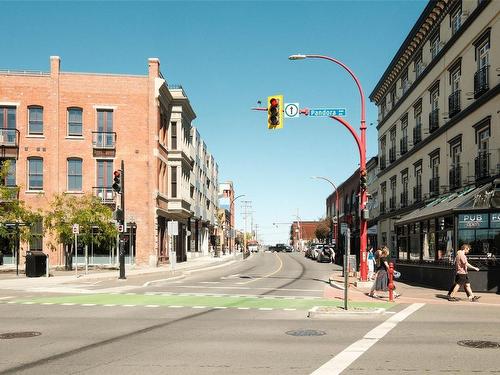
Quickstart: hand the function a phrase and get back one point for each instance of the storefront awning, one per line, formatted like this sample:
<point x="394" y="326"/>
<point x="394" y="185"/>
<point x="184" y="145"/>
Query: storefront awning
<point x="446" y="204"/>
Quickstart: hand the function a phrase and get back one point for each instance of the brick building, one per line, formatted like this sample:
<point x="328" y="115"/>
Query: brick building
<point x="67" y="132"/>
<point x="302" y="232"/>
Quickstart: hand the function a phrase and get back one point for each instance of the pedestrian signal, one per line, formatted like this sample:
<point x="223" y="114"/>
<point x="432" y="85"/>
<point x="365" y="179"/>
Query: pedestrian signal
<point x="275" y="112"/>
<point x="363" y="180"/>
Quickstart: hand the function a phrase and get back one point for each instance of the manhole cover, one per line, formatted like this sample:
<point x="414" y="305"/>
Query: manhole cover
<point x="306" y="332"/>
<point x="477" y="344"/>
<point x="18" y="335"/>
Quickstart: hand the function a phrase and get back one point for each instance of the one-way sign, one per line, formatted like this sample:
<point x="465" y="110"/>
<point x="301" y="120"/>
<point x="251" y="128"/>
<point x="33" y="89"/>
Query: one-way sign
<point x="327" y="112"/>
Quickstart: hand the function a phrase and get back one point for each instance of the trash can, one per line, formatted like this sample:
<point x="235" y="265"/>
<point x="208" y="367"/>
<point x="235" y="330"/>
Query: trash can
<point x="36" y="263"/>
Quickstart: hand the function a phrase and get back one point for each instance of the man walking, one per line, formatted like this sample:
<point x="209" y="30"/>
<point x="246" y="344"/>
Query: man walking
<point x="461" y="277"/>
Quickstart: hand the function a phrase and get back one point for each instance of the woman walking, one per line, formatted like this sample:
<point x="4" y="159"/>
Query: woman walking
<point x="381" y="283"/>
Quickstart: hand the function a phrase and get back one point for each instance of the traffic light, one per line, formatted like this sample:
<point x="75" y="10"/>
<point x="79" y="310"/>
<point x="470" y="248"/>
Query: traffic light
<point x="275" y="112"/>
<point x="117" y="182"/>
<point x="363" y="180"/>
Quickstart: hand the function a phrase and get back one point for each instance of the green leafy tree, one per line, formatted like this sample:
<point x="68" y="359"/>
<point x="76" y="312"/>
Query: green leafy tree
<point x="323" y="229"/>
<point x="13" y="211"/>
<point x="93" y="217"/>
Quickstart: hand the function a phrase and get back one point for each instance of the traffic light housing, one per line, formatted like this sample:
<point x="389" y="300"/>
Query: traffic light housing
<point x="275" y="112"/>
<point x="363" y="180"/>
<point x="117" y="181"/>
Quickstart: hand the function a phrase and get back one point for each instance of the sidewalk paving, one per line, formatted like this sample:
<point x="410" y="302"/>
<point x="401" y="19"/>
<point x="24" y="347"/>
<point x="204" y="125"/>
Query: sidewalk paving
<point x="409" y="293"/>
<point x="9" y="280"/>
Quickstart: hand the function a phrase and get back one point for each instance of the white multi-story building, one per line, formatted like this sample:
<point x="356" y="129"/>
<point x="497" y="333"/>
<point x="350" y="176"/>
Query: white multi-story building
<point x="439" y="137"/>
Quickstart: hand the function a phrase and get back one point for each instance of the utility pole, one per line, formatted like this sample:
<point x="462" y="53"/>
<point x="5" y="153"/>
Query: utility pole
<point x="245" y="206"/>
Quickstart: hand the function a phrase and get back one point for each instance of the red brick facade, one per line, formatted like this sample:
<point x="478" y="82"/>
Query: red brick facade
<point x="135" y="103"/>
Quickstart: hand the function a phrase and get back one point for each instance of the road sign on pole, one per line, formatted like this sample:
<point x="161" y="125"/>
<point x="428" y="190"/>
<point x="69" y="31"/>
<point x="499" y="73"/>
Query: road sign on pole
<point x="76" y="229"/>
<point x="327" y="112"/>
<point x="292" y="110"/>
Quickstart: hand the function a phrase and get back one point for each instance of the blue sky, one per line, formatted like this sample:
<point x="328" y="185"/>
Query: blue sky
<point x="228" y="55"/>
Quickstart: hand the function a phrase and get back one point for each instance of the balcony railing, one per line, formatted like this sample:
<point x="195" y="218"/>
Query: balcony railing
<point x="381" y="162"/>
<point x="434" y="186"/>
<point x="482" y="165"/>
<point x="105" y="194"/>
<point x="404" y="198"/>
<point x="382" y="207"/>
<point x="434" y="120"/>
<point x="392" y="154"/>
<point x="455" y="177"/>
<point x="392" y="203"/>
<point x="417" y="134"/>
<point x="9" y="137"/>
<point x="454" y="103"/>
<point x="104" y="140"/>
<point x="417" y="193"/>
<point x="403" y="145"/>
<point x="481" y="84"/>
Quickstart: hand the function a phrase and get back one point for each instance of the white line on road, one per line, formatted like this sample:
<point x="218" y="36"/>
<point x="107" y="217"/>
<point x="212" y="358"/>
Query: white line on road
<point x="152" y="306"/>
<point x="88" y="304"/>
<point x="209" y="282"/>
<point x="346" y="357"/>
<point x="199" y="307"/>
<point x="175" y="307"/>
<point x="265" y="308"/>
<point x="6" y="297"/>
<point x="246" y="288"/>
<point x="243" y="308"/>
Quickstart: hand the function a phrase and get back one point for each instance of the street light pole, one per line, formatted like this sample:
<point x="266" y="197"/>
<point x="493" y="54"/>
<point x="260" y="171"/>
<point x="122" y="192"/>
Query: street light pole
<point x="336" y="209"/>
<point x="231" y="207"/>
<point x="361" y="142"/>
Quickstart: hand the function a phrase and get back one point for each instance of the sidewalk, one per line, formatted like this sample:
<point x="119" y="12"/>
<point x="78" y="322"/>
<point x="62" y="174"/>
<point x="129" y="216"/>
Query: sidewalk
<point x="409" y="293"/>
<point x="9" y="280"/>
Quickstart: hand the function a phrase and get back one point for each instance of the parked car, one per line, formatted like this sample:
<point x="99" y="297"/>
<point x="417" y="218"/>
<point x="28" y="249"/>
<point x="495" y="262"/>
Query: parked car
<point x="315" y="251"/>
<point x="326" y="254"/>
<point x="288" y="249"/>
<point x="279" y="247"/>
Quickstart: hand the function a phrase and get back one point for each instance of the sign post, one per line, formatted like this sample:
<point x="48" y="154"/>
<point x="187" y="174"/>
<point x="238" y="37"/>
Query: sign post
<point x="346" y="265"/>
<point x="76" y="231"/>
<point x="173" y="230"/>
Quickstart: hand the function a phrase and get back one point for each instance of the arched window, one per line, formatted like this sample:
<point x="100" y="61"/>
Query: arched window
<point x="75" y="174"/>
<point x="35" y="173"/>
<point x="75" y="121"/>
<point x="35" y="120"/>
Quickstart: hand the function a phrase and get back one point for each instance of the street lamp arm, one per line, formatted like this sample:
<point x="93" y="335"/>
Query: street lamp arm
<point x="239" y="196"/>
<point x="356" y="138"/>
<point x="351" y="73"/>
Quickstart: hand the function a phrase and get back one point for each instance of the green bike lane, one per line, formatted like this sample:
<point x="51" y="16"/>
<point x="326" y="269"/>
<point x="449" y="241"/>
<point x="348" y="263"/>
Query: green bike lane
<point x="194" y="301"/>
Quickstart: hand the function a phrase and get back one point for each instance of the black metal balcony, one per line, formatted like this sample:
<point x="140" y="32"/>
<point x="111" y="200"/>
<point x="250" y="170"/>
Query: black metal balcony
<point x="417" y="134"/>
<point x="434" y="120"/>
<point x="105" y="194"/>
<point x="392" y="154"/>
<point x="403" y="145"/>
<point x="104" y="140"/>
<point x="454" y="103"/>
<point x="481" y="84"/>
<point x="417" y="193"/>
<point x="455" y="177"/>
<point x="434" y="186"/>
<point x="9" y="137"/>
<point x="381" y="163"/>
<point x="404" y="198"/>
<point x="482" y="165"/>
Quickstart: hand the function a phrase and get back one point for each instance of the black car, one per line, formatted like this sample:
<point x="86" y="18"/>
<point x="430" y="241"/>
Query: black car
<point x="326" y="254"/>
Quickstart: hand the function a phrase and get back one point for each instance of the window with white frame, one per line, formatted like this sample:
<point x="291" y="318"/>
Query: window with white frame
<point x="74" y="174"/>
<point x="35" y="173"/>
<point x="75" y="124"/>
<point x="456" y="20"/>
<point x="35" y="120"/>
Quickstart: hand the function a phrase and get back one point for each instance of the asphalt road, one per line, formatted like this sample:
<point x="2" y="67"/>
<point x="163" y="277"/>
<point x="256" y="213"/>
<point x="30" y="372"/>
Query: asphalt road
<point x="249" y="317"/>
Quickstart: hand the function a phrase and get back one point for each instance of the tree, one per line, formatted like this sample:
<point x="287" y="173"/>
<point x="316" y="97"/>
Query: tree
<point x="323" y="229"/>
<point x="13" y="211"/>
<point x="88" y="212"/>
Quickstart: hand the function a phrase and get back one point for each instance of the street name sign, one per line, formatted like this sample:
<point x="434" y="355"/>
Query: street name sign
<point x="327" y="112"/>
<point x="292" y="110"/>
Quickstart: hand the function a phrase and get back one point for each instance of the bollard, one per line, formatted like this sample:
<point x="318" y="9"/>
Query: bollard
<point x="47" y="265"/>
<point x="391" y="281"/>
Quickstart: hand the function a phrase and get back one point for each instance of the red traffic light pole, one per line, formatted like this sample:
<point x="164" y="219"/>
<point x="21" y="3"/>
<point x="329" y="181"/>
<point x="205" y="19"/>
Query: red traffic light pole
<point x="361" y="142"/>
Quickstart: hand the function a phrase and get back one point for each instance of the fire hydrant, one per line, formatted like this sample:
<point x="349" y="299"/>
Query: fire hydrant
<point x="391" y="281"/>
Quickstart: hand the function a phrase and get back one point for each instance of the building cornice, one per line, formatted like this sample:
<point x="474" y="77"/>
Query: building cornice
<point x="420" y="33"/>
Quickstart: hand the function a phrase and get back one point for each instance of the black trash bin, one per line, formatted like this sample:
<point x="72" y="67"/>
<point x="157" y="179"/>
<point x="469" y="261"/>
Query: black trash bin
<point x="36" y="263"/>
